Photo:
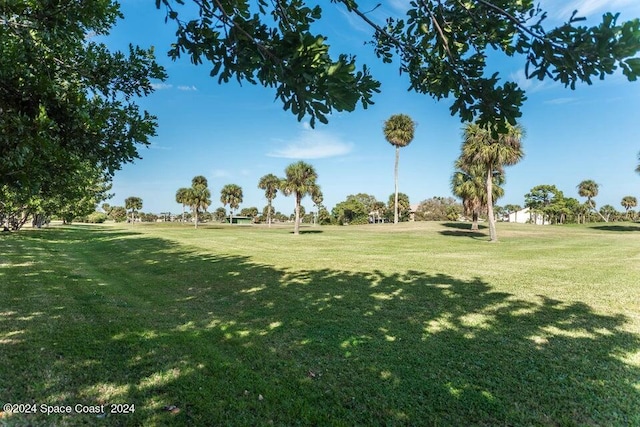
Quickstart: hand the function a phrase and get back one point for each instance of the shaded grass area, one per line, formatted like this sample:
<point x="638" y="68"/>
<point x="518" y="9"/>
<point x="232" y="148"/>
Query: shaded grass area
<point x="257" y="327"/>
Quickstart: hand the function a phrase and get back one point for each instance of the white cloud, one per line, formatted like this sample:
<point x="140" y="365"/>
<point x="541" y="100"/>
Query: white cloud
<point x="161" y="86"/>
<point x="188" y="88"/>
<point x="561" y="101"/>
<point x="312" y="144"/>
<point x="220" y="173"/>
<point x="400" y="5"/>
<point x="354" y="22"/>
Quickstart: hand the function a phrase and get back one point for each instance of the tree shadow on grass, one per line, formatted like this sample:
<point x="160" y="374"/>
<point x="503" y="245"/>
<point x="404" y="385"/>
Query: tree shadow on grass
<point x="463" y="233"/>
<point x="227" y="340"/>
<point x="617" y="227"/>
<point x="308" y="232"/>
<point x="462" y="225"/>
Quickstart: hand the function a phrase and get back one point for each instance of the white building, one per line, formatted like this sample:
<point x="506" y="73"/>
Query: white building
<point x="524" y="216"/>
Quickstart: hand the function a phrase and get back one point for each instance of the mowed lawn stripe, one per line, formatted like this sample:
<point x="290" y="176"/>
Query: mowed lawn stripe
<point x="429" y="324"/>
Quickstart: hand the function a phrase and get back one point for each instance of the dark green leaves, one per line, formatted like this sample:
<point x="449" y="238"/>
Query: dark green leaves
<point x="66" y="101"/>
<point x="442" y="46"/>
<point x="275" y="48"/>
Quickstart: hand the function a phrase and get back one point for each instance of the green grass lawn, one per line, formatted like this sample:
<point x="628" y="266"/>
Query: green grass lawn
<point x="415" y="324"/>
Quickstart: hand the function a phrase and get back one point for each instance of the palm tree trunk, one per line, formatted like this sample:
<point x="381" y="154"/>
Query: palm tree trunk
<point x="296" y="225"/>
<point x="183" y="213"/>
<point x="196" y="214"/>
<point x="269" y="214"/>
<point x="493" y="236"/>
<point x="395" y="205"/>
<point x="474" y="220"/>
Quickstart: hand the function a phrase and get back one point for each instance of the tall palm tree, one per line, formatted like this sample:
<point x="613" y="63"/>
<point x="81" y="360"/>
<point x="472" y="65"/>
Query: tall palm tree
<point x="133" y="203"/>
<point x="269" y="183"/>
<point x="629" y="202"/>
<point x="300" y="180"/>
<point x="231" y="194"/>
<point x="398" y="130"/>
<point x="589" y="189"/>
<point x="317" y="197"/>
<point x="199" y="196"/>
<point x="182" y="197"/>
<point x="468" y="183"/>
<point x="494" y="152"/>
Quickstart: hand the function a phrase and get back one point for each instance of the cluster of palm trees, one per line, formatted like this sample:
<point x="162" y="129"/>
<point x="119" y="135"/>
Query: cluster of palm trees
<point x="477" y="180"/>
<point x="479" y="169"/>
<point x="299" y="181"/>
<point x="197" y="197"/>
<point x="480" y="172"/>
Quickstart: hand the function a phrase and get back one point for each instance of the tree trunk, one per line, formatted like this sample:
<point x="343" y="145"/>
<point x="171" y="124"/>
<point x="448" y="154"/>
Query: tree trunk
<point x="183" y="213"/>
<point x="474" y="221"/>
<point x="395" y="205"/>
<point x="196" y="215"/>
<point x="493" y="236"/>
<point x="296" y="225"/>
<point x="269" y="214"/>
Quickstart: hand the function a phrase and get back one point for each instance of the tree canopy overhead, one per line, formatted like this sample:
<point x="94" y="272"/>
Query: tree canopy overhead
<point x="441" y="45"/>
<point x="66" y="101"/>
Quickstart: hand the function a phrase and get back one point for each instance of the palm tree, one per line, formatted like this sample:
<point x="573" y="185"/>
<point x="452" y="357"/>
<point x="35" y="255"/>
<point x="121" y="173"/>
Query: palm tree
<point x="589" y="189"/>
<point x="398" y="130"/>
<point x="133" y="203"/>
<point x="629" y="202"/>
<point x="182" y="197"/>
<point x="317" y="198"/>
<point x="199" y="196"/>
<point x="300" y="181"/>
<point x="269" y="183"/>
<point x="231" y="194"/>
<point x="468" y="183"/>
<point x="401" y="200"/>
<point x="482" y="146"/>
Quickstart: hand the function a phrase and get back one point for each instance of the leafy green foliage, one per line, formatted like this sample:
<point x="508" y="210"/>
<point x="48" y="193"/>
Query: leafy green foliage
<point x="250" y="212"/>
<point x="549" y="201"/>
<point x="273" y="46"/>
<point x="134" y="204"/>
<point x="352" y="211"/>
<point x="442" y="47"/>
<point x="404" y="207"/>
<point x="438" y="209"/>
<point x="117" y="213"/>
<point x="66" y="101"/>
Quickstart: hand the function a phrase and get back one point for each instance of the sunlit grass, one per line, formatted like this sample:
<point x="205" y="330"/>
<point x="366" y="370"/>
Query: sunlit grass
<point x="416" y="324"/>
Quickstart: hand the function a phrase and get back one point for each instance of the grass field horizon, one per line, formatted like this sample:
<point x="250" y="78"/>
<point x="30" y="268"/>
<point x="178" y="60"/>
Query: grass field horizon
<point x="409" y="324"/>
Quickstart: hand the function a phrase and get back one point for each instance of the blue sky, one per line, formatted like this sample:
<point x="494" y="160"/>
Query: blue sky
<point x="233" y="134"/>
